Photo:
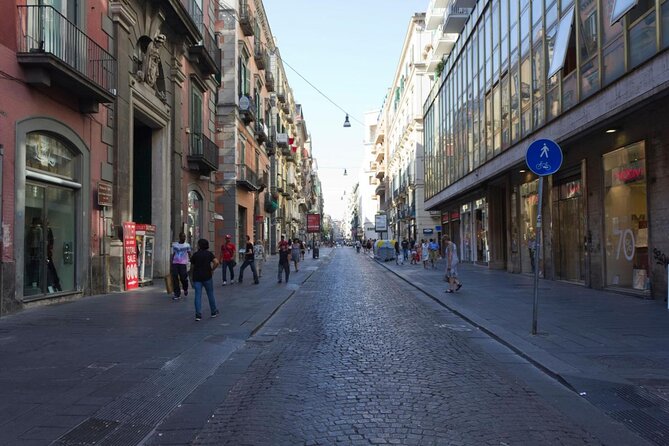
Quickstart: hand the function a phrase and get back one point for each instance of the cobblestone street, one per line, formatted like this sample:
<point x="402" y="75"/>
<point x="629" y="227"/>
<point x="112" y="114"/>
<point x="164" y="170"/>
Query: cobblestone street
<point x="359" y="357"/>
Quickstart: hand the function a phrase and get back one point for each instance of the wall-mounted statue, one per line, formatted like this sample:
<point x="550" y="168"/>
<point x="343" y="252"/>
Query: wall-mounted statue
<point x="151" y="62"/>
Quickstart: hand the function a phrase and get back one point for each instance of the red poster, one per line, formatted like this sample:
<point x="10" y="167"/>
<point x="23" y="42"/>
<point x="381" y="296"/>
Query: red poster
<point x="130" y="256"/>
<point x="313" y="223"/>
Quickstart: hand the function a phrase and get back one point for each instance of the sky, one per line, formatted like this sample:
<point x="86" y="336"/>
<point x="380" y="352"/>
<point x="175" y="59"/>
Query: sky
<point x="349" y="50"/>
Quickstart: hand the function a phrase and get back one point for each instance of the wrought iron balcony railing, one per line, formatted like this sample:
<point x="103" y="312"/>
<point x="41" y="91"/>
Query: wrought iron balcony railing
<point x="247" y="178"/>
<point x="246" y="21"/>
<point x="194" y="11"/>
<point x="202" y="154"/>
<point x="48" y="40"/>
<point x="207" y="52"/>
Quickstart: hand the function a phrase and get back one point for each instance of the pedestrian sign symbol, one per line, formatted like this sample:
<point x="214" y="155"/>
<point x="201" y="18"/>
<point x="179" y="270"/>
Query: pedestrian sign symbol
<point x="543" y="157"/>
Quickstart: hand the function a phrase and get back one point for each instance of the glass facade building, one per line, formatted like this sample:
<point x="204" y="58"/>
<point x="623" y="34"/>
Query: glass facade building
<point x="518" y="69"/>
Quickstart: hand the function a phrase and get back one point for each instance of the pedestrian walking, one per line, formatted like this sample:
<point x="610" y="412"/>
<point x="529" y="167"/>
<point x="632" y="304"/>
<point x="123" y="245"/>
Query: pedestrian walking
<point x="181" y="253"/>
<point x="398" y="256"/>
<point x="260" y="256"/>
<point x="424" y="252"/>
<point x="284" y="261"/>
<point x="405" y="248"/>
<point x="249" y="260"/>
<point x="433" y="249"/>
<point x="357" y="246"/>
<point x="295" y="253"/>
<point x="452" y="261"/>
<point x="302" y="249"/>
<point x="203" y="264"/>
<point x="227" y="259"/>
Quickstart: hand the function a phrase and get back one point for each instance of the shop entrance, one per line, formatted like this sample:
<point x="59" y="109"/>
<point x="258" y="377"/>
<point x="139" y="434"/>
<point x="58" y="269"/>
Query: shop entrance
<point x="142" y="173"/>
<point x="569" y="231"/>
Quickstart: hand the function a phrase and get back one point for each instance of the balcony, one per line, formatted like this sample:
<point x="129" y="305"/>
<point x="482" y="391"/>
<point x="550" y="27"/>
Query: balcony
<point x="381" y="172"/>
<point x="260" y="57"/>
<point x="261" y="132"/>
<point x="380" y="155"/>
<point x="269" y="81"/>
<point x="443" y="43"/>
<point x="184" y="16"/>
<point x="282" y="140"/>
<point x="380" y="188"/>
<point x="202" y="154"/>
<point x="247" y="109"/>
<point x="433" y="18"/>
<point x="247" y="178"/>
<point x="246" y="19"/>
<point x="455" y="20"/>
<point x="54" y="52"/>
<point x="206" y="53"/>
<point x="281" y="94"/>
<point x="280" y="185"/>
<point x="285" y="151"/>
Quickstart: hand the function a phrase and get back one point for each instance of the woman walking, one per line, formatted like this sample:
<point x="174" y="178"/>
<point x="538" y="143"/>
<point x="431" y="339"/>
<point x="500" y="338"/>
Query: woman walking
<point x="452" y="261"/>
<point x="203" y="264"/>
<point x="295" y="253"/>
<point x="424" y="252"/>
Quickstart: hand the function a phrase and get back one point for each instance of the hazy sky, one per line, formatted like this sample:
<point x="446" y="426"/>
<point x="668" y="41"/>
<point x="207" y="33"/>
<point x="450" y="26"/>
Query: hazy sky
<point x="349" y="50"/>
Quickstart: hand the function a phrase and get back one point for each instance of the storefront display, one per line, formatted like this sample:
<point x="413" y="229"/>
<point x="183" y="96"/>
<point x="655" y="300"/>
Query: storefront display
<point x="50" y="212"/>
<point x="569" y="230"/>
<point x="145" y="236"/>
<point x="529" y="201"/>
<point x="481" y="228"/>
<point x="626" y="221"/>
<point x="467" y="231"/>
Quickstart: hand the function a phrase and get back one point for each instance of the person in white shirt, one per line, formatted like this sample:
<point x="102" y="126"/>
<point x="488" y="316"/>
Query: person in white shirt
<point x="452" y="261"/>
<point x="259" y="253"/>
<point x="181" y="252"/>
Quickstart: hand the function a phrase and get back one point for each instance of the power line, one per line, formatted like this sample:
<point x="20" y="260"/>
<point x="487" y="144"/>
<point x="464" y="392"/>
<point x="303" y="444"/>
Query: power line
<point x="276" y="54"/>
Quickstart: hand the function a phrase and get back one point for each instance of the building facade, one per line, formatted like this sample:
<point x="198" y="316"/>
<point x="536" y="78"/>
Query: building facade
<point x="400" y="140"/>
<point x="591" y="76"/>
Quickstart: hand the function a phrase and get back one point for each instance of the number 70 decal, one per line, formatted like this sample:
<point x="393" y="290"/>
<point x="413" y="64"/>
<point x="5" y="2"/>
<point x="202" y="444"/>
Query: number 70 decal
<point x="625" y="242"/>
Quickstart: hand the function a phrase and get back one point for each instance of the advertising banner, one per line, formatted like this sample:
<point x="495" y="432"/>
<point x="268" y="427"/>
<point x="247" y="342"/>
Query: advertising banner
<point x="380" y="223"/>
<point x="130" y="256"/>
<point x="313" y="223"/>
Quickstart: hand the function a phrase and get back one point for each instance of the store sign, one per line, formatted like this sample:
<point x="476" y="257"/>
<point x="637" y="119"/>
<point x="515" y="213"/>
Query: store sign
<point x="380" y="223"/>
<point x="313" y="223"/>
<point x="627" y="174"/>
<point x="429" y="231"/>
<point x="259" y="218"/>
<point x="130" y="255"/>
<point x="105" y="193"/>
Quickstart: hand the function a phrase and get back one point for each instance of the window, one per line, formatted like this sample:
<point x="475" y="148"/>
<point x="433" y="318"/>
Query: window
<point x="243" y="73"/>
<point x="562" y="40"/>
<point x="620" y="8"/>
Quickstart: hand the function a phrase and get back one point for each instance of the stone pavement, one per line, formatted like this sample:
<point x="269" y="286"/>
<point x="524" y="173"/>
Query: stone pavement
<point x="108" y="369"/>
<point x="610" y="348"/>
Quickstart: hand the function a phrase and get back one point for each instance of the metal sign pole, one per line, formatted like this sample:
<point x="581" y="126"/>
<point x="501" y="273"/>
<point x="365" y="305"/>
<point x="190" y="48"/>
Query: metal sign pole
<point x="537" y="255"/>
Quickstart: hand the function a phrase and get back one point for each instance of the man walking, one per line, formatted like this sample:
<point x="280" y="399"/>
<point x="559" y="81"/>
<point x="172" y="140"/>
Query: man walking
<point x="227" y="259"/>
<point x="398" y="258"/>
<point x="249" y="260"/>
<point x="181" y="253"/>
<point x="405" y="248"/>
<point x="284" y="262"/>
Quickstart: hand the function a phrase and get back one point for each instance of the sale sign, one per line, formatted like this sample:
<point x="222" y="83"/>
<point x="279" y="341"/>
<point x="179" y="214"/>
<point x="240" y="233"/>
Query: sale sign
<point x="130" y="255"/>
<point x="313" y="223"/>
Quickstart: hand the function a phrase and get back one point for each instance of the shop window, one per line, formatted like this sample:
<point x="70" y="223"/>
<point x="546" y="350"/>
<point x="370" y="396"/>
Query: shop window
<point x="642" y="44"/>
<point x="626" y="220"/>
<point x="48" y="154"/>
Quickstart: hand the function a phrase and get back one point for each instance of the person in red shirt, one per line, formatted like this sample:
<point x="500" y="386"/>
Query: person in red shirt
<point x="227" y="259"/>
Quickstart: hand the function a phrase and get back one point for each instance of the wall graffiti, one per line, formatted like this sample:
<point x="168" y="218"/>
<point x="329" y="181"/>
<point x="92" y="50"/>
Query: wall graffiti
<point x="660" y="257"/>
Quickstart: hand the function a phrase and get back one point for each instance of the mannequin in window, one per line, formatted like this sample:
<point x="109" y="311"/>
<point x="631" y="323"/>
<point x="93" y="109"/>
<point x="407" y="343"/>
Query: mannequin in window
<point x="35" y="239"/>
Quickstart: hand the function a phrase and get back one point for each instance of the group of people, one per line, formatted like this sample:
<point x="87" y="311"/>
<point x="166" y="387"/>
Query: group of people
<point x="203" y="263"/>
<point x="428" y="251"/>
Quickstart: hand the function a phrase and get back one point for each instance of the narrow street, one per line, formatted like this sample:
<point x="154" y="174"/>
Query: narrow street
<point x="347" y="353"/>
<point x="359" y="357"/>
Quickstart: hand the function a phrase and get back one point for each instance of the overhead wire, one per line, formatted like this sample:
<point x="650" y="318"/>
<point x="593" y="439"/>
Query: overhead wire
<point x="276" y="54"/>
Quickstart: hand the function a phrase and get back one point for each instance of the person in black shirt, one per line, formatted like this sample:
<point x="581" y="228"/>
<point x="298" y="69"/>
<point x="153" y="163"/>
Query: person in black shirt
<point x="203" y="263"/>
<point x="249" y="260"/>
<point x="284" y="261"/>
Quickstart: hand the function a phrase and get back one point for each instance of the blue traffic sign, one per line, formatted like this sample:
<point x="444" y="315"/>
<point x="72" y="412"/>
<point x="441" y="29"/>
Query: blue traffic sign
<point x="544" y="157"/>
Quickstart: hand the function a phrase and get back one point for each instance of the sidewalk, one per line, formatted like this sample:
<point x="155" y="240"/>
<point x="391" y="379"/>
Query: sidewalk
<point x="610" y="348"/>
<point x="112" y="367"/>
